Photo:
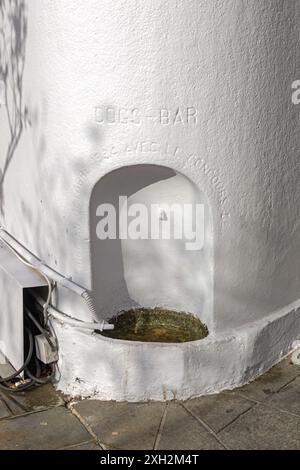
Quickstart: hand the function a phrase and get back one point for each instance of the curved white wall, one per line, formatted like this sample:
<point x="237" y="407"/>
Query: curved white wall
<point x="103" y="83"/>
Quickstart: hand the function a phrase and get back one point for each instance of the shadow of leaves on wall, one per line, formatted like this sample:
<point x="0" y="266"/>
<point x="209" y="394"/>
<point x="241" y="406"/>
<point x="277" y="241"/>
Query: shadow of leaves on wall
<point x="13" y="35"/>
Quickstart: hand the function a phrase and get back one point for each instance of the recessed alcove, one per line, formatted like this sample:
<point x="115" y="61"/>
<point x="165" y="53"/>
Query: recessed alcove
<point x="136" y="273"/>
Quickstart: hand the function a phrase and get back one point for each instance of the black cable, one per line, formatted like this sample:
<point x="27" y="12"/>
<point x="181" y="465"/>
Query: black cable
<point x="19" y="388"/>
<point x="38" y="368"/>
<point x="27" y="360"/>
<point x="34" y="379"/>
<point x="37" y="379"/>
<point x="36" y="323"/>
<point x="40" y="328"/>
<point x="3" y="381"/>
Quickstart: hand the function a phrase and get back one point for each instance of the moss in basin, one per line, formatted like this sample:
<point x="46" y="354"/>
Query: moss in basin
<point x="156" y="325"/>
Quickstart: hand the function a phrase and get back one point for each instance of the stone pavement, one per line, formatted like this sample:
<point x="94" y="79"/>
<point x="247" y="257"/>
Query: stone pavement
<point x="262" y="415"/>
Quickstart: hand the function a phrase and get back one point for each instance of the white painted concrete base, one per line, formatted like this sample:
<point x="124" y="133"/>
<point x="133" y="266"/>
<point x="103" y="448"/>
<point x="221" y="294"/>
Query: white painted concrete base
<point x="133" y="371"/>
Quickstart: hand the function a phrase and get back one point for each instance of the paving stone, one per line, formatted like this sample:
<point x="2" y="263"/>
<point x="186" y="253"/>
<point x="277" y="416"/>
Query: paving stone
<point x="263" y="428"/>
<point x="12" y="404"/>
<point x="271" y="381"/>
<point x="37" y="399"/>
<point x="85" y="446"/>
<point x="183" y="432"/>
<point x="128" y="426"/>
<point x="51" y="429"/>
<point x="239" y="422"/>
<point x="218" y="410"/>
<point x="288" y="398"/>
<point x="4" y="413"/>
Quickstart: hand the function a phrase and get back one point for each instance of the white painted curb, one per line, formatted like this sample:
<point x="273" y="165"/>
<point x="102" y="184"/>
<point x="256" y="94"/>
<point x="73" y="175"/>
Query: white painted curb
<point x="133" y="371"/>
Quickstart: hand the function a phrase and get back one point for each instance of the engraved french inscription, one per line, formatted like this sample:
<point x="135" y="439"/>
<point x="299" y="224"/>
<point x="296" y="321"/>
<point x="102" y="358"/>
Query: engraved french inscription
<point x="181" y="116"/>
<point x="111" y="115"/>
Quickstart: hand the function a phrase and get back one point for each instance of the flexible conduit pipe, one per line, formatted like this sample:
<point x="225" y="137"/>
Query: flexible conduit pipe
<point x="62" y="317"/>
<point x="28" y="258"/>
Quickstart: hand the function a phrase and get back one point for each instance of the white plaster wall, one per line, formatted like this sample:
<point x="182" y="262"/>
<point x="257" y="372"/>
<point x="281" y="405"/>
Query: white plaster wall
<point x="233" y="62"/>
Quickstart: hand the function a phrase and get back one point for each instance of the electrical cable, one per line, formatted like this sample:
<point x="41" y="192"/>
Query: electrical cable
<point x="40" y="328"/>
<point x="40" y="268"/>
<point x="50" y="274"/>
<point x="38" y="368"/>
<point x="34" y="379"/>
<point x="39" y="380"/>
<point x="20" y="388"/>
<point x="32" y="266"/>
<point x="27" y="360"/>
<point x="36" y="323"/>
<point x="45" y="270"/>
<point x="64" y="318"/>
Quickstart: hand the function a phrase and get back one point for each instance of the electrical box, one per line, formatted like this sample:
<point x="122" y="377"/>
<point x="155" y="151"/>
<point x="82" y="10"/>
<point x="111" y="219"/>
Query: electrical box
<point x="15" y="278"/>
<point x="46" y="352"/>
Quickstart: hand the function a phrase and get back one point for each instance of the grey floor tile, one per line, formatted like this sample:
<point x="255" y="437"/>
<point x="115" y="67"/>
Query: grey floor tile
<point x="271" y="381"/>
<point x="51" y="429"/>
<point x="218" y="410"/>
<point x="123" y="425"/>
<point x="239" y="422"/>
<point x="4" y="413"/>
<point x="85" y="446"/>
<point x="37" y="399"/>
<point x="263" y="428"/>
<point x="288" y="398"/>
<point x="183" y="432"/>
<point x="11" y="401"/>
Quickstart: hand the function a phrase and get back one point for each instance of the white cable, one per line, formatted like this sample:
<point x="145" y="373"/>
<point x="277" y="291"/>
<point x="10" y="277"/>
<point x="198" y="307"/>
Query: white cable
<point x="64" y="318"/>
<point x="32" y="261"/>
<point x="30" y="265"/>
<point x="44" y="270"/>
